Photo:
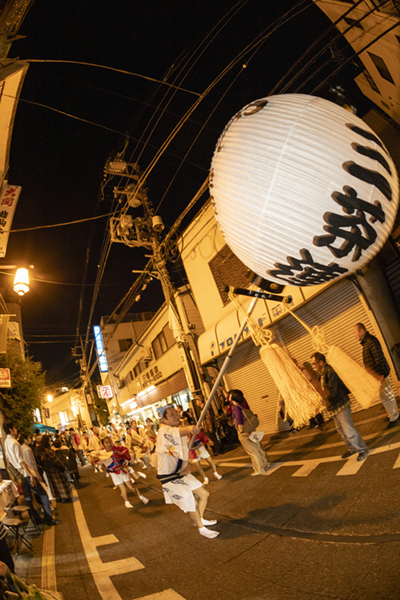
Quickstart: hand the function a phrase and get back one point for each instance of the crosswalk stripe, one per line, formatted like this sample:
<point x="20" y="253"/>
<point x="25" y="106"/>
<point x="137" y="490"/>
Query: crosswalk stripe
<point x="165" y="595"/>
<point x="352" y="466"/>
<point x="306" y="469"/>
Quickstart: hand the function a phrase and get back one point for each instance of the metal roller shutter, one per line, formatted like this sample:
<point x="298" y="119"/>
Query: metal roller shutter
<point x="248" y="373"/>
<point x="336" y="311"/>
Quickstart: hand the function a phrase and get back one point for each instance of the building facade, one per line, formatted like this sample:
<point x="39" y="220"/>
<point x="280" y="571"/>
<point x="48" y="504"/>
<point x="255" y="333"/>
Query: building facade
<point x="68" y="409"/>
<point x="113" y="342"/>
<point x="335" y="308"/>
<point x="372" y="28"/>
<point x="154" y="370"/>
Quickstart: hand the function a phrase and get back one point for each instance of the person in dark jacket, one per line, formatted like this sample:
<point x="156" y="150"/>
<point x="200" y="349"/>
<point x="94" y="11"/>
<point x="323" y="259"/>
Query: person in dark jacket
<point x="67" y="456"/>
<point x="335" y="396"/>
<point x="376" y="364"/>
<point x="54" y="469"/>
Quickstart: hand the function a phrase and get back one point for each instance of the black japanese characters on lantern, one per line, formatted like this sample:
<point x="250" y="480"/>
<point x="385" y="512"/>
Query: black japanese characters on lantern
<point x="355" y="228"/>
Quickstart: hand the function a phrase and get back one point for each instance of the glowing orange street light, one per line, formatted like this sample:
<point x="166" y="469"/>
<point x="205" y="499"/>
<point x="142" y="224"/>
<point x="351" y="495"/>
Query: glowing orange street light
<point x="21" y="282"/>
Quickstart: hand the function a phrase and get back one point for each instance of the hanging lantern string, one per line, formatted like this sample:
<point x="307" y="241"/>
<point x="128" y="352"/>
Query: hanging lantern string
<point x="260" y="337"/>
<point x="317" y="335"/>
<point x="302" y="401"/>
<point x="364" y="387"/>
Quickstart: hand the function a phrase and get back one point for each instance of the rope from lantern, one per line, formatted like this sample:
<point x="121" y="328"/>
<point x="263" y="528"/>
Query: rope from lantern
<point x="302" y="401"/>
<point x="364" y="387"/>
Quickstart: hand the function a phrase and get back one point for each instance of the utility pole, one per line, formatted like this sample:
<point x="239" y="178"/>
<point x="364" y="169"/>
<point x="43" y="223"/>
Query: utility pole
<point x="85" y="375"/>
<point x="145" y="232"/>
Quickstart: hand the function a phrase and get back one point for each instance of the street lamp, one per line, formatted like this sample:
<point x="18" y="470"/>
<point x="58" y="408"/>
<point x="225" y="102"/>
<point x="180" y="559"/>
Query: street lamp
<point x="21" y="281"/>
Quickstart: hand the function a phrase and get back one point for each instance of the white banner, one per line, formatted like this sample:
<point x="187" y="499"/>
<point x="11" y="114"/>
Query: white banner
<point x="8" y="202"/>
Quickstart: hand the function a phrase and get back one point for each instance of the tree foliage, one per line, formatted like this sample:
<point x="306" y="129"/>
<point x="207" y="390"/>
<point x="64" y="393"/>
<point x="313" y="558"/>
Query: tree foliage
<point x="28" y="386"/>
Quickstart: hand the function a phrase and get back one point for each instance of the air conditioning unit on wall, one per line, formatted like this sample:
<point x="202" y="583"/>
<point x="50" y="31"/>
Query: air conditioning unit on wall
<point x="147" y="353"/>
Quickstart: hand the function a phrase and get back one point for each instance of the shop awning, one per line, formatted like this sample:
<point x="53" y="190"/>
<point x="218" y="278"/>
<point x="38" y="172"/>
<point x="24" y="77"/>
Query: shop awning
<point x="174" y="384"/>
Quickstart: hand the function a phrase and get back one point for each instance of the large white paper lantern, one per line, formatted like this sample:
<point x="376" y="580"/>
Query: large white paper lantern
<point x="303" y="190"/>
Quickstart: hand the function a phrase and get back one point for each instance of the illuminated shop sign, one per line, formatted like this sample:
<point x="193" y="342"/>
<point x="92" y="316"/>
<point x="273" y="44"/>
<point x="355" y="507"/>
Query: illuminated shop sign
<point x="100" y="349"/>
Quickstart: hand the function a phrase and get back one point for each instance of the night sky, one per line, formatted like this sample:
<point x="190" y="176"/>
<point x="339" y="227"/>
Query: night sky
<point x="59" y="160"/>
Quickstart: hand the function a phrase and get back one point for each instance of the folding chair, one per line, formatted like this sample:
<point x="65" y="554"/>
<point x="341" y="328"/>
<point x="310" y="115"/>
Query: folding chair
<point x="13" y="525"/>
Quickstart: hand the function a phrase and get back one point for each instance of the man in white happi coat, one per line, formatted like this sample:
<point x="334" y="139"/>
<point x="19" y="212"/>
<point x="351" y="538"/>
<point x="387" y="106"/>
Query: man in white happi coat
<point x="179" y="486"/>
<point x="95" y="446"/>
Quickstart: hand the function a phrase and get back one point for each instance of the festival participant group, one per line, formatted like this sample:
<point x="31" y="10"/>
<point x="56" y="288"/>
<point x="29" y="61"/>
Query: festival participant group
<point x="46" y="466"/>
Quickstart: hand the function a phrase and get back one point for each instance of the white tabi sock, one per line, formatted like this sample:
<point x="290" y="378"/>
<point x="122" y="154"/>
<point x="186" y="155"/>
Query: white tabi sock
<point x="208" y="533"/>
<point x="208" y="523"/>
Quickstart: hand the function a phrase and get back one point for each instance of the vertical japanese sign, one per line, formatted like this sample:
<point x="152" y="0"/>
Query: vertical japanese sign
<point x="5" y="378"/>
<point x="100" y="349"/>
<point x="8" y="202"/>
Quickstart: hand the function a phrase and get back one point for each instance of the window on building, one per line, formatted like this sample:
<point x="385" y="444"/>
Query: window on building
<point x="124" y="345"/>
<point x="228" y="270"/>
<point x="159" y="345"/>
<point x="353" y="22"/>
<point x="129" y="377"/>
<point x="169" y="337"/>
<point x="371" y="82"/>
<point x="137" y="369"/>
<point x="381" y="66"/>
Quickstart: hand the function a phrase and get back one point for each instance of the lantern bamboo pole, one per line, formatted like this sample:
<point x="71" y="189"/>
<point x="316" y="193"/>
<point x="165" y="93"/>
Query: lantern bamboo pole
<point x="224" y="367"/>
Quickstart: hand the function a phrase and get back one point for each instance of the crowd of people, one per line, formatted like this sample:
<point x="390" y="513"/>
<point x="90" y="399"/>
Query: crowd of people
<point x="46" y="466"/>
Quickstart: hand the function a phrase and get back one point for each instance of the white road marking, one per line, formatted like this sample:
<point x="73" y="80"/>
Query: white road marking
<point x="103" y="571"/>
<point x="166" y="595"/>
<point x="274" y="467"/>
<point x="306" y="469"/>
<point x="351" y="466"/>
<point x="306" y="466"/>
<point x="233" y="464"/>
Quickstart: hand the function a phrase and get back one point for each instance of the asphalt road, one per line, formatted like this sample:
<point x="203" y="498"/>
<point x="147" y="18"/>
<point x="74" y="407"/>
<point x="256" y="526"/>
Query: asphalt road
<point x="315" y="527"/>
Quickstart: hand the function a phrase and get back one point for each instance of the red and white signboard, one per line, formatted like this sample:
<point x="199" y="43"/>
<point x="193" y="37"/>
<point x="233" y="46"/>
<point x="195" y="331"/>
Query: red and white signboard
<point x="8" y="201"/>
<point x="5" y="378"/>
<point x="133" y="404"/>
<point x="105" y="391"/>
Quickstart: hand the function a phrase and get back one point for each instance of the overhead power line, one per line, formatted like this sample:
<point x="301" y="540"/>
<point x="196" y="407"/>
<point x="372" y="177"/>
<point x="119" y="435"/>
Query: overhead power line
<point x="86" y="64"/>
<point x="57" y="224"/>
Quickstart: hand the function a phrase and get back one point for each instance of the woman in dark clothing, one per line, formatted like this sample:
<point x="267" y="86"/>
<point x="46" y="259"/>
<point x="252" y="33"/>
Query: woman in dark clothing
<point x="67" y="456"/>
<point x="54" y="470"/>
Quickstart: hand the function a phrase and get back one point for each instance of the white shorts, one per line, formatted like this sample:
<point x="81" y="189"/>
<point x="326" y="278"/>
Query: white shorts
<point x="201" y="454"/>
<point x="119" y="478"/>
<point x="179" y="492"/>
